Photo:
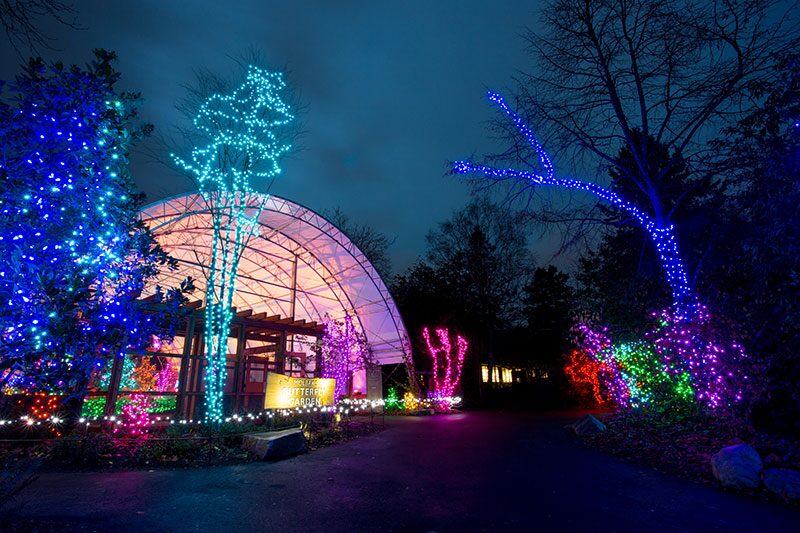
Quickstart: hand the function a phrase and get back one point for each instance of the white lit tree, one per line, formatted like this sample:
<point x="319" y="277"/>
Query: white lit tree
<point x="241" y="137"/>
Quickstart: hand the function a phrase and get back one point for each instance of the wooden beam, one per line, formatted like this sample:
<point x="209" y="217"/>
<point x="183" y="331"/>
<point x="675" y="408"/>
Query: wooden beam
<point x="260" y="349"/>
<point x="284" y="326"/>
<point x="246" y="312"/>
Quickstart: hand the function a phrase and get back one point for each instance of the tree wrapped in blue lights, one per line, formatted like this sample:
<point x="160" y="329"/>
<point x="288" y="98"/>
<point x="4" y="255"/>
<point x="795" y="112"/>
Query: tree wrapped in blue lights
<point x="240" y="140"/>
<point x="74" y="259"/>
<point x="661" y="233"/>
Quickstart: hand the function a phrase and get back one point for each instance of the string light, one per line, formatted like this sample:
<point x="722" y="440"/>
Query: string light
<point x="447" y="371"/>
<point x="241" y="143"/>
<point x="135" y="417"/>
<point x="73" y="259"/>
<point x="343" y="407"/>
<point x="675" y="361"/>
<point x="392" y="400"/>
<point x="410" y="402"/>
<point x="344" y="351"/>
<point x="662" y="235"/>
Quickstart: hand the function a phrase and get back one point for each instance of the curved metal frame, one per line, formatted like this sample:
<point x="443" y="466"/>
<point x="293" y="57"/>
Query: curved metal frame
<point x="389" y="350"/>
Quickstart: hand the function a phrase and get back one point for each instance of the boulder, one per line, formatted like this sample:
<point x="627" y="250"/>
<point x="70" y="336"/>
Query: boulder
<point x="737" y="467"/>
<point x="783" y="482"/>
<point x="588" y="425"/>
<point x="276" y="445"/>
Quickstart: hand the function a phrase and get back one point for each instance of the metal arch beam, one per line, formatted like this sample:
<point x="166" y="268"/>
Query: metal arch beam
<point x="360" y="259"/>
<point x="248" y="276"/>
<point x="366" y="266"/>
<point x="184" y="206"/>
<point x="341" y="295"/>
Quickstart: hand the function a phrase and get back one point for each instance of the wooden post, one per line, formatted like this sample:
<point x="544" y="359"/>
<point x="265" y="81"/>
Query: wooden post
<point x="280" y="354"/>
<point x="113" y="386"/>
<point x="317" y="359"/>
<point x="180" y="403"/>
<point x="238" y="368"/>
<point x="293" y="302"/>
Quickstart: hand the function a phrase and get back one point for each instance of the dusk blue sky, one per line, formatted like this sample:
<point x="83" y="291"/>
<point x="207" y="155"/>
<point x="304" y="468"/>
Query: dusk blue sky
<point x="393" y="90"/>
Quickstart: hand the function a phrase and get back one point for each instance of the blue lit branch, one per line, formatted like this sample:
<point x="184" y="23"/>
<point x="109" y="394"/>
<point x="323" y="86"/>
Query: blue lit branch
<point x="663" y="237"/>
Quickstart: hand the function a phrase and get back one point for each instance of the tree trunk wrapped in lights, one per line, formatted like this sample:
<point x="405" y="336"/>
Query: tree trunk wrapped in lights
<point x="446" y="371"/>
<point x="661" y="233"/>
<point x="240" y="143"/>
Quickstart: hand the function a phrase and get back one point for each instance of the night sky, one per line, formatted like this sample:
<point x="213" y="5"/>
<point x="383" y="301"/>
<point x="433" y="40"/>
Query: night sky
<point x="392" y="91"/>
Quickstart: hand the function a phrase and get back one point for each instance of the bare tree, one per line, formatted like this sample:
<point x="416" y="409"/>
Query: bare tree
<point x="638" y="75"/>
<point x="21" y="18"/>
<point x="373" y="243"/>
<point x="239" y="139"/>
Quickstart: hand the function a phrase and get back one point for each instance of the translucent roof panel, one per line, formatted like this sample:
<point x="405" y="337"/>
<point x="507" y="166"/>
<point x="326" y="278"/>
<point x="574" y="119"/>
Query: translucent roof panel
<point x="333" y="277"/>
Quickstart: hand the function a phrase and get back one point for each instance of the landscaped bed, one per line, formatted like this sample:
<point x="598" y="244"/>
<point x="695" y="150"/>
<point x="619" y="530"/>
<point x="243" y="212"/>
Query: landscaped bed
<point x="174" y="445"/>
<point x="683" y="446"/>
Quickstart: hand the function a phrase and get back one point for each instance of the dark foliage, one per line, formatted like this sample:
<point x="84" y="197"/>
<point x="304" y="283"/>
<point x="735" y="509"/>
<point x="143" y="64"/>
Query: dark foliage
<point x="373" y="244"/>
<point x="549" y="310"/>
<point x="478" y="262"/>
<point x="754" y="277"/>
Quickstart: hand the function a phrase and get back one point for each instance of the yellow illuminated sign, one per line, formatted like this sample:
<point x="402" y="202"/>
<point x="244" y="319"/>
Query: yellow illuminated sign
<point x="284" y="392"/>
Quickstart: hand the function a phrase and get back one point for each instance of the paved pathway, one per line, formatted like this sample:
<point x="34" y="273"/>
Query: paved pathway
<point x="468" y="472"/>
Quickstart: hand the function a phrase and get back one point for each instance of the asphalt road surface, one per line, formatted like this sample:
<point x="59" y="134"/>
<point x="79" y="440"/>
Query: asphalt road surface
<point x="482" y="471"/>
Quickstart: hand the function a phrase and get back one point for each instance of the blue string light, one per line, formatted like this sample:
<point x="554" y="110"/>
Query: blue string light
<point x="72" y="260"/>
<point x="663" y="237"/>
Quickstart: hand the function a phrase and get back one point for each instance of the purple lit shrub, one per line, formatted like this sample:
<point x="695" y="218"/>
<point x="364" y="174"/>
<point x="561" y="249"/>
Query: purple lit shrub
<point x="678" y="361"/>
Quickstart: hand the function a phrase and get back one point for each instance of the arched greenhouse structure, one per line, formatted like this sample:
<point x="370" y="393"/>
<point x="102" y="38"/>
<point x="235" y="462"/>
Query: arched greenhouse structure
<point x="297" y="269"/>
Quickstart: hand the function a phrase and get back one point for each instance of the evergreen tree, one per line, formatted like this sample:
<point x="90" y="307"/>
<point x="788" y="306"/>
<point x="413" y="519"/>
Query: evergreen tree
<point x="74" y="259"/>
<point x="549" y="311"/>
<point x="755" y="275"/>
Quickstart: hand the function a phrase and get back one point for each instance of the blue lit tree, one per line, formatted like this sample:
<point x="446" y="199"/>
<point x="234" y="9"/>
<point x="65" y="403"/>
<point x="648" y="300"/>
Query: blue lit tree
<point x="74" y="259"/>
<point x="240" y="138"/>
<point x="637" y="76"/>
<point x="662" y="234"/>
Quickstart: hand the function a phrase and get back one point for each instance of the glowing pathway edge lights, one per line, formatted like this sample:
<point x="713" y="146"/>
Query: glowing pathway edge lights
<point x="663" y="236"/>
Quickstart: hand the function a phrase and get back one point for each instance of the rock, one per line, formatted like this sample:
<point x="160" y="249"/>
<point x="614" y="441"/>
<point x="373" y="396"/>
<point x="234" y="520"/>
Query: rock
<point x="783" y="482"/>
<point x="588" y="425"/>
<point x="737" y="467"/>
<point x="275" y="445"/>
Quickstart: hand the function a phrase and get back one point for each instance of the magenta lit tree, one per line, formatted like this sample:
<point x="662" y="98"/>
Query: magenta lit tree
<point x="446" y="365"/>
<point x="344" y="351"/>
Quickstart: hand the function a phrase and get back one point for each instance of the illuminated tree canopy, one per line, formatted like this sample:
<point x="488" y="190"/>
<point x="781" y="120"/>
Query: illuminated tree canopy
<point x="239" y="143"/>
<point x="74" y="259"/>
